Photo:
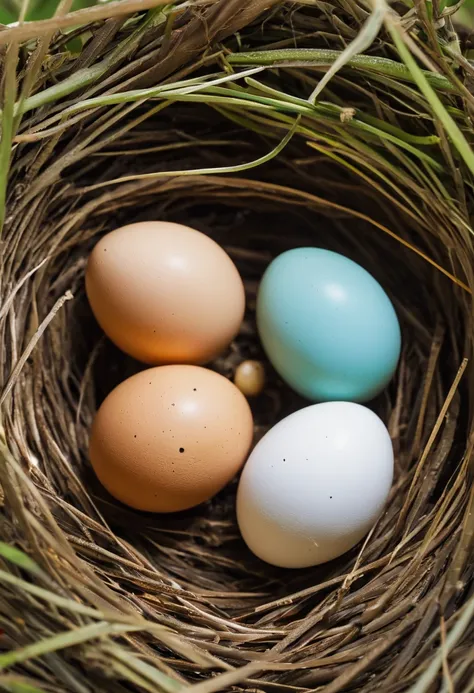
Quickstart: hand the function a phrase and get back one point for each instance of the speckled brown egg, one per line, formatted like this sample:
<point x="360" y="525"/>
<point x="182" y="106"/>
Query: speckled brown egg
<point x="170" y="437"/>
<point x="165" y="293"/>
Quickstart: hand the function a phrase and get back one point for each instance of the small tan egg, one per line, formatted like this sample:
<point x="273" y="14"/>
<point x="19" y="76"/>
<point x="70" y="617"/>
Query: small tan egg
<point x="165" y="293"/>
<point x="170" y="437"/>
<point x="250" y="378"/>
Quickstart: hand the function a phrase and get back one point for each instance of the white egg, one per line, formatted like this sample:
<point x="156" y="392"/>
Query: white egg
<point x="315" y="484"/>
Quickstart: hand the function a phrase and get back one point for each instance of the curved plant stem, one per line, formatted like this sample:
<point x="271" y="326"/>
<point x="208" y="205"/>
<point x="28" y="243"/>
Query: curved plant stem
<point x="310" y="56"/>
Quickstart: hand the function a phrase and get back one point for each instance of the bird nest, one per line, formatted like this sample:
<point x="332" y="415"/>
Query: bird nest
<point x="267" y="125"/>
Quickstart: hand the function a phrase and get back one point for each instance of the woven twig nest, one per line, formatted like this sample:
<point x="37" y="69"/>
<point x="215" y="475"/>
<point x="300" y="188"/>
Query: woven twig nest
<point x="96" y="597"/>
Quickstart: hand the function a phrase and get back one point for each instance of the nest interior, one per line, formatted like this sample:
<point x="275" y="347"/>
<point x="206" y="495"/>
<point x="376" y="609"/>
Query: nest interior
<point x="119" y="600"/>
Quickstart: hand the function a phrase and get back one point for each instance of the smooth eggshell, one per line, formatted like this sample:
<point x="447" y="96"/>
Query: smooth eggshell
<point x="165" y="293"/>
<point x="250" y="378"/>
<point x="315" y="484"/>
<point x="170" y="437"/>
<point x="327" y="326"/>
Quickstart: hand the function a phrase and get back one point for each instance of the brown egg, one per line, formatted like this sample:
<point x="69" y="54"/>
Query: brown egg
<point x="170" y="437"/>
<point x="165" y="293"/>
<point x="250" y="378"/>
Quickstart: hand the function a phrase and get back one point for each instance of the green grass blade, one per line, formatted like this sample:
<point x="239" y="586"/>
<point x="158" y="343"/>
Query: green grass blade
<point x="364" y="39"/>
<point x="440" y="111"/>
<point x="46" y="595"/>
<point x="181" y="88"/>
<point x="315" y="56"/>
<point x="18" y="558"/>
<point x="90" y="75"/>
<point x="17" y="685"/>
<point x="6" y="137"/>
<point x="208" y="171"/>
<point x="63" y="641"/>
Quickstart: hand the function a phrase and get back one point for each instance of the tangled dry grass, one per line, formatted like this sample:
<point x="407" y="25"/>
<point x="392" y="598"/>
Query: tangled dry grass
<point x="213" y="113"/>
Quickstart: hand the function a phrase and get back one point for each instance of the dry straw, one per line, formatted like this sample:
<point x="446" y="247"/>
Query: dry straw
<point x="268" y="124"/>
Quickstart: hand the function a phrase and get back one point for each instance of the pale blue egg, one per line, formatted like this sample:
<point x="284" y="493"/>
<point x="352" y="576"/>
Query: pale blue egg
<point x="327" y="326"/>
